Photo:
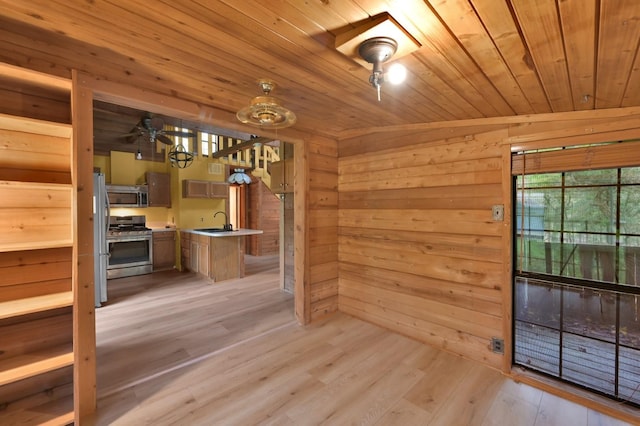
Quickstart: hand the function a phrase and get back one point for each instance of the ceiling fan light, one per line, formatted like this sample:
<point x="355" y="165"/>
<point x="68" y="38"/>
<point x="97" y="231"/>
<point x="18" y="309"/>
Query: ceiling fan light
<point x="265" y="111"/>
<point x="397" y="74"/>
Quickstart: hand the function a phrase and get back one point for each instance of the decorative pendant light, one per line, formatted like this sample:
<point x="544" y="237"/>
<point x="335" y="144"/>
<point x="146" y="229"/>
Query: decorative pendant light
<point x="180" y="157"/>
<point x="138" y="154"/>
<point x="239" y="177"/>
<point x="265" y="111"/>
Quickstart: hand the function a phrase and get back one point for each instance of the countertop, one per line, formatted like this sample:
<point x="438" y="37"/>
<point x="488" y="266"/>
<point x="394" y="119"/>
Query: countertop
<point x="235" y="233"/>
<point x="170" y="229"/>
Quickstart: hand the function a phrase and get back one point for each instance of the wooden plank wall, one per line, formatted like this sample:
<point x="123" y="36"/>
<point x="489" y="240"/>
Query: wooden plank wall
<point x="419" y="252"/>
<point x="264" y="213"/>
<point x="322" y="210"/>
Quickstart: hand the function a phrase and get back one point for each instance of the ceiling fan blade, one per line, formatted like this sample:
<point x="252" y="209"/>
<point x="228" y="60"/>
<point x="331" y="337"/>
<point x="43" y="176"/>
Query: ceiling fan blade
<point x="134" y="134"/>
<point x="165" y="140"/>
<point x="179" y="133"/>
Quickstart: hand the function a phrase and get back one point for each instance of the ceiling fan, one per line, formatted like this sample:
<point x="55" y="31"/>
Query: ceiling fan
<point x="152" y="128"/>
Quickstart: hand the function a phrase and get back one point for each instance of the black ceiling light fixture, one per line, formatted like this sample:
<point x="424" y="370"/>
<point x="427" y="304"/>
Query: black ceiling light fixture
<point x="179" y="157"/>
<point x="265" y="111"/>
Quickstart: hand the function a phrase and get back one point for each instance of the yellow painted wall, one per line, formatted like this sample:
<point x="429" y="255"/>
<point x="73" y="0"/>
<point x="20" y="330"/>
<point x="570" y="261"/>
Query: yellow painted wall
<point x="121" y="168"/>
<point x="103" y="163"/>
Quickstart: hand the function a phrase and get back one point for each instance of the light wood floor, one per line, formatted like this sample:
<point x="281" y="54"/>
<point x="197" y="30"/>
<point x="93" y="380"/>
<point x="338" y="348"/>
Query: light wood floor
<point x="175" y="349"/>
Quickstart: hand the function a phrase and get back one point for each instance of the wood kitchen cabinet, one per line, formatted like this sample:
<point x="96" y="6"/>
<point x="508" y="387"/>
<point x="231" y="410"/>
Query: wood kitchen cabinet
<point x="192" y="188"/>
<point x="159" y="189"/>
<point x="282" y="176"/>
<point x="194" y="249"/>
<point x="185" y="251"/>
<point x="164" y="250"/>
<point x="202" y="252"/>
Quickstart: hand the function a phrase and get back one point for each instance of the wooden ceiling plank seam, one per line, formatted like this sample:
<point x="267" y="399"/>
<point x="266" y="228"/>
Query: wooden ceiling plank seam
<point x="474" y="104"/>
<point x="499" y="23"/>
<point x="617" y="47"/>
<point x="327" y="117"/>
<point x="124" y="69"/>
<point x="632" y="93"/>
<point x="210" y="52"/>
<point x="446" y="96"/>
<point x="465" y="24"/>
<point x="578" y="20"/>
<point x="241" y="65"/>
<point x="128" y="43"/>
<point x="29" y="60"/>
<point x="540" y="26"/>
<point x="361" y="100"/>
<point x="315" y="58"/>
<point x="346" y="12"/>
<point x="443" y="41"/>
<point x="430" y="54"/>
<point x="48" y="50"/>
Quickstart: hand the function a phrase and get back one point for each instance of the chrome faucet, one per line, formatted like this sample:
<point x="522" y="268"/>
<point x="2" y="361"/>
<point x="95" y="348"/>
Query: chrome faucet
<point x="227" y="225"/>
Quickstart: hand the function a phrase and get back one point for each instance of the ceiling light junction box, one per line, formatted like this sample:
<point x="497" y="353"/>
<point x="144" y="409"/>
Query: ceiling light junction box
<point x="381" y="25"/>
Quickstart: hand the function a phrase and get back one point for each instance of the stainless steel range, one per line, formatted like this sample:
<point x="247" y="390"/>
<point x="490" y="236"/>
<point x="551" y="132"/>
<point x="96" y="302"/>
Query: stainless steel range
<point x="130" y="247"/>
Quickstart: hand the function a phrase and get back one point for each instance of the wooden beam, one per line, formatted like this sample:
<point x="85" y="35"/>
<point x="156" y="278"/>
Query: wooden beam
<point x="239" y="147"/>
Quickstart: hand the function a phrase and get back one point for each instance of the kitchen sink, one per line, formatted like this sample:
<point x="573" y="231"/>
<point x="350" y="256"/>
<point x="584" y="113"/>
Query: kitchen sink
<point x="213" y="230"/>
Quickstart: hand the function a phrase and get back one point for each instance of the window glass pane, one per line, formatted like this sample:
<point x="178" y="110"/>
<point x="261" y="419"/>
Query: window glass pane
<point x="591" y="177"/>
<point x="630" y="261"/>
<point x="589" y="210"/>
<point x="630" y="210"/>
<point x="630" y="175"/>
<point x="540" y="180"/>
<point x="204" y="143"/>
<point x="542" y="210"/>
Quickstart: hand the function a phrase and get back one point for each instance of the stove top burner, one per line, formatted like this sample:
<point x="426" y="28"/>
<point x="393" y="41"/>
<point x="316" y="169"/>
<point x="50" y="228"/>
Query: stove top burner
<point x="127" y="225"/>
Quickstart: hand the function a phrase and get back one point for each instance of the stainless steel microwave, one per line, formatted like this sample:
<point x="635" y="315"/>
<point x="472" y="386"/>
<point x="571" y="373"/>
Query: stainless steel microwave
<point x="128" y="195"/>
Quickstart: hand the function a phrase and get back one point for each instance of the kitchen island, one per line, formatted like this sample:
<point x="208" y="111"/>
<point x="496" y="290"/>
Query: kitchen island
<point x="214" y="252"/>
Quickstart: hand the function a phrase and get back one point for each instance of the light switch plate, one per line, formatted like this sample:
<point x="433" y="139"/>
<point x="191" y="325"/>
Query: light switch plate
<point x="497" y="212"/>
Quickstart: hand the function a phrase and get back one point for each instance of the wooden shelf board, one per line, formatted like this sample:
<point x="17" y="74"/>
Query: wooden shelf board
<point x="53" y="413"/>
<point x="32" y="125"/>
<point x="31" y="364"/>
<point x="35" y="304"/>
<point x="33" y="245"/>
<point x="23" y="75"/>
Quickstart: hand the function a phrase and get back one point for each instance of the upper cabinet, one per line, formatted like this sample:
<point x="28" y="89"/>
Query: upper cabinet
<point x="204" y="189"/>
<point x="282" y="176"/>
<point x="159" y="189"/>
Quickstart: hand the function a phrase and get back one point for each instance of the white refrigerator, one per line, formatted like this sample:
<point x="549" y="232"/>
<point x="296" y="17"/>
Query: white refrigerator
<point x="100" y="226"/>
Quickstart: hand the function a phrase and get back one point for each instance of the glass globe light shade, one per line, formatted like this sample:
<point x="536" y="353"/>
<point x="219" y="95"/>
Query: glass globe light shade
<point x="239" y="177"/>
<point x="396" y="74"/>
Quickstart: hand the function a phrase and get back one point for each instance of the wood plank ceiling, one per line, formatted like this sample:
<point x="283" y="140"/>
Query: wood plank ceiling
<point x="477" y="58"/>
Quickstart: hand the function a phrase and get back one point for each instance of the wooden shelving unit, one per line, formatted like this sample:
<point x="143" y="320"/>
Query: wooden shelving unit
<point x="37" y="216"/>
<point x="29" y="305"/>
<point x="28" y="365"/>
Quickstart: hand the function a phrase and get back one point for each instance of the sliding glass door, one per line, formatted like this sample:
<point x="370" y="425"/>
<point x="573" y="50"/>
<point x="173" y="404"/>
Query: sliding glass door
<point x="577" y="271"/>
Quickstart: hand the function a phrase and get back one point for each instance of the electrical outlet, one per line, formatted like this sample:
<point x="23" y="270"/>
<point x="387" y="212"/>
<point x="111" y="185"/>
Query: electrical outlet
<point x="497" y="212"/>
<point x="497" y="345"/>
